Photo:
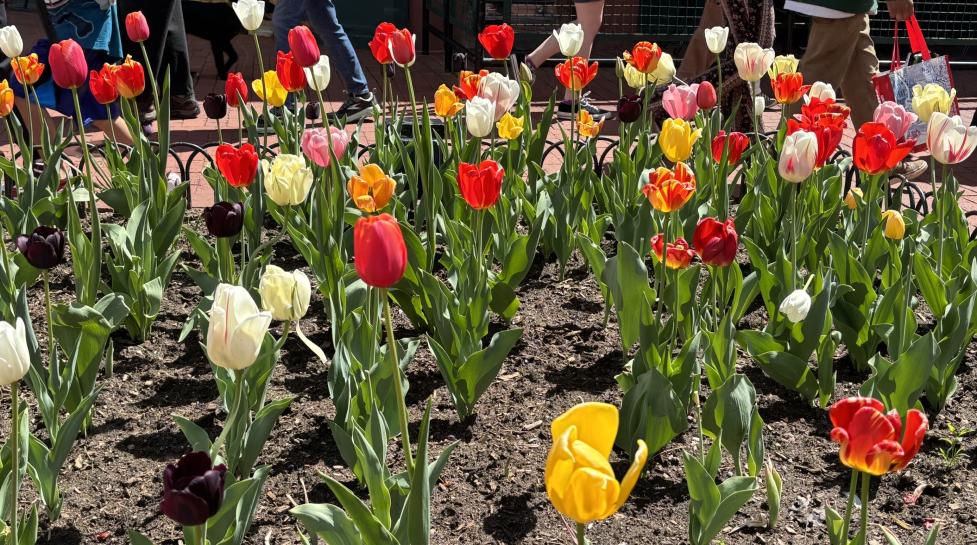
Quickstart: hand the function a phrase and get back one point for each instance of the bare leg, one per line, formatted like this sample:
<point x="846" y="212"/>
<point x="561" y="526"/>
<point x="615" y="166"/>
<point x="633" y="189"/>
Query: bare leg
<point x="698" y="58"/>
<point x="122" y="135"/>
<point x="590" y="15"/>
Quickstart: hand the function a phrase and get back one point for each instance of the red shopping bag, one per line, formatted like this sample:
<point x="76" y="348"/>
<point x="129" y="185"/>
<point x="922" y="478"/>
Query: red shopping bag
<point x="897" y="83"/>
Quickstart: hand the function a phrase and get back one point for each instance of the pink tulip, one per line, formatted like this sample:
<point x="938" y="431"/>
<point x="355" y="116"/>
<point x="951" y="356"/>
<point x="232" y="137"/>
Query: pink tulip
<point x="895" y="117"/>
<point x="317" y="142"/>
<point x="680" y="102"/>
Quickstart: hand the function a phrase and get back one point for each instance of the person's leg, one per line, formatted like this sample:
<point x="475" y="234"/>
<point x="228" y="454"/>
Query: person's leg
<point x="177" y="55"/>
<point x="590" y="15"/>
<point x="857" y="85"/>
<point x="697" y="58"/>
<point x="287" y="14"/>
<point x="322" y="15"/>
<point x="829" y="52"/>
<point x="122" y="135"/>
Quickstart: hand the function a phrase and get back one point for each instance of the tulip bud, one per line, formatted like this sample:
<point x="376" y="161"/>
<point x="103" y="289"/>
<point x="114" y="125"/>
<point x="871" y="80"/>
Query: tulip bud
<point x="236" y="328"/>
<point x="497" y="41"/>
<point x="317" y="143"/>
<point x="250" y="12"/>
<point x="796" y="306"/>
<point x="716" y="38"/>
<point x="11" y="43"/>
<point x="379" y="252"/>
<point x="312" y="110"/>
<point x="798" y="156"/>
<point x="759" y="105"/>
<point x="285" y="294"/>
<point x="193" y="489"/>
<point x="894" y="226"/>
<point x="480" y="185"/>
<point x="137" y="28"/>
<point x="401" y="44"/>
<point x="705" y="96"/>
<point x="68" y="65"/>
<point x="215" y="106"/>
<point x="15" y="360"/>
<point x="235" y="89"/>
<point x="526" y="73"/>
<point x="318" y="75"/>
<point x="479" y="116"/>
<point x="303" y="45"/>
<point x="238" y="165"/>
<point x="680" y="102"/>
<point x="619" y="67"/>
<point x="629" y="108"/>
<point x="570" y="38"/>
<point x="853" y="197"/>
<point x="224" y="219"/>
<point x="43" y="248"/>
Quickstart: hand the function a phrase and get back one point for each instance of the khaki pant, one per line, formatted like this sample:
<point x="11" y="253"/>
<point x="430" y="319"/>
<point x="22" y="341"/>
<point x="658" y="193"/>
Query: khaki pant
<point x="841" y="52"/>
<point x="698" y="58"/>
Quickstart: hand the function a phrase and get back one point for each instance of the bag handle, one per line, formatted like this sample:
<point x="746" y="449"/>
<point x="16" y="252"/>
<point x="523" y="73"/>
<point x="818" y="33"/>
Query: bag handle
<point x="916" y="42"/>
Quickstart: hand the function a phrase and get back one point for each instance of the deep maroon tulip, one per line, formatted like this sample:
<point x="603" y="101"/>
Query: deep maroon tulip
<point x="224" y="219"/>
<point x="629" y="108"/>
<point x="312" y="110"/>
<point x="192" y="489"/>
<point x="215" y="106"/>
<point x="44" y="247"/>
<point x="716" y="241"/>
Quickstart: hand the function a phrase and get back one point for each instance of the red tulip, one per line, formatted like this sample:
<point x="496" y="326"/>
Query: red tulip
<point x="716" y="241"/>
<point x="137" y="28"/>
<point x="788" y="87"/>
<point x="102" y="85"/>
<point x="236" y="89"/>
<point x="480" y="185"/>
<point x="130" y="79"/>
<point x="872" y="440"/>
<point x="705" y="96"/>
<point x="378" y="45"/>
<point x="876" y="149"/>
<point x="379" y="252"/>
<point x="290" y="73"/>
<point x="575" y="74"/>
<point x="303" y="45"/>
<point x="401" y="44"/>
<point x="738" y="143"/>
<point x="68" y="65"/>
<point x="644" y="56"/>
<point x="679" y="255"/>
<point x="498" y="40"/>
<point x="468" y="83"/>
<point x="237" y="165"/>
<point x="827" y="120"/>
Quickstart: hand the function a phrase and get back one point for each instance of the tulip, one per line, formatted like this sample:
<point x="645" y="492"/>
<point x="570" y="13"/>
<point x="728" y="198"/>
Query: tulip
<point x="446" y="103"/>
<point x="629" y="108"/>
<point x="479" y="116"/>
<point x="318" y="75"/>
<point x="102" y="85"/>
<point x="224" y="219"/>
<point x="579" y="480"/>
<point x="510" y="126"/>
<point x="312" y="110"/>
<point x="932" y="98"/>
<point x="15" y="359"/>
<point x="798" y="157"/>
<point x="873" y="441"/>
<point x="788" y="87"/>
<point x="635" y="79"/>
<point x="287" y="179"/>
<point x="290" y="73"/>
<point x="502" y="91"/>
<point x="235" y="89"/>
<point x="820" y="90"/>
<point x="665" y="73"/>
<point x="644" y="56"/>
<point x="130" y="79"/>
<point x="826" y="120"/>
<point x="379" y="252"/>
<point x="716" y="39"/>
<point x="586" y="126"/>
<point x="237" y="165"/>
<point x="137" y="27"/>
<point x="11" y="43"/>
<point x="575" y="73"/>
<point x="6" y="99"/>
<point x="677" y="138"/>
<point x="317" y="143"/>
<point x="237" y="328"/>
<point x="894" y="226"/>
<point x="497" y="41"/>
<point x="27" y="70"/>
<point x="668" y="190"/>
<point x="716" y="241"/>
<point x="276" y="92"/>
<point x="193" y="489"/>
<point x="876" y="149"/>
<point x="678" y="255"/>
<point x="752" y="61"/>
<point x="250" y="12"/>
<point x="737" y="144"/>
<point x="372" y="189"/>
<point x="302" y="44"/>
<point x="378" y="45"/>
<point x="285" y="294"/>
<point x="895" y="117"/>
<point x="401" y="44"/>
<point x="783" y="64"/>
<point x="570" y="39"/>
<point x="796" y="306"/>
<point x="680" y="102"/>
<point x="468" y="84"/>
<point x="759" y="105"/>
<point x="854" y="197"/>
<point x="949" y="139"/>
<point x="215" y="106"/>
<point x="43" y="248"/>
<point x="480" y="185"/>
<point x="68" y="65"/>
<point x="705" y="96"/>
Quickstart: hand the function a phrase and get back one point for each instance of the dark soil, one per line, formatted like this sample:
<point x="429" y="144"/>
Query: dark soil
<point x="492" y="490"/>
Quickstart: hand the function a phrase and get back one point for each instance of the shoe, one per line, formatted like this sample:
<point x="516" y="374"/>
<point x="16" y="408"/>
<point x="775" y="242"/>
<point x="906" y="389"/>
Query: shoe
<point x="184" y="107"/>
<point x="565" y="109"/>
<point x="355" y="108"/>
<point x="911" y="168"/>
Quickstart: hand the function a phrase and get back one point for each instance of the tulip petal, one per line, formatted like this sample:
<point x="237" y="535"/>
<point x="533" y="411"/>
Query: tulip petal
<point x="868" y="428"/>
<point x="590" y="496"/>
<point x="185" y="507"/>
<point x="843" y="410"/>
<point x="631" y="477"/>
<point x="882" y="457"/>
<point x="596" y="425"/>
<point x="559" y="465"/>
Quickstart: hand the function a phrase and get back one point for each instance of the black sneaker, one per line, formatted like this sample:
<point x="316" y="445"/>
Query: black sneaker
<point x="355" y="108"/>
<point x="565" y="109"/>
<point x="184" y="107"/>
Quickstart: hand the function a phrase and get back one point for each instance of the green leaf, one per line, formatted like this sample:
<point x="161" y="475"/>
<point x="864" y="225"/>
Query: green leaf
<point x="371" y="530"/>
<point x="774" y="484"/>
<point x="626" y="278"/>
<point x="327" y="522"/>
<point x="135" y="538"/>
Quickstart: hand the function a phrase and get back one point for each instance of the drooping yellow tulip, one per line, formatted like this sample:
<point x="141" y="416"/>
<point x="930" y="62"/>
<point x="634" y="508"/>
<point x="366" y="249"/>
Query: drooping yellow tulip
<point x="587" y="126"/>
<point x="6" y="99"/>
<point x="894" y="226"/>
<point x="853" y="197"/>
<point x="372" y="189"/>
<point x="677" y="138"/>
<point x="579" y="480"/>
<point x="783" y="64"/>
<point x="932" y="98"/>
<point x="276" y="92"/>
<point x="510" y="126"/>
<point x="446" y="103"/>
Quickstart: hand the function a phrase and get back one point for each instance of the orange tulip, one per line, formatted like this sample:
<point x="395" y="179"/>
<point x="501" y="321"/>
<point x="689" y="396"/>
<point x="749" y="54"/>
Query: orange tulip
<point x="101" y="83"/>
<point x="872" y="441"/>
<point x="669" y="190"/>
<point x="27" y="69"/>
<point x="130" y="79"/>
<point x="575" y="73"/>
<point x="468" y="83"/>
<point x="678" y="255"/>
<point x="788" y="88"/>
<point x="372" y="189"/>
<point x="643" y="56"/>
<point x="6" y="99"/>
<point x="587" y="126"/>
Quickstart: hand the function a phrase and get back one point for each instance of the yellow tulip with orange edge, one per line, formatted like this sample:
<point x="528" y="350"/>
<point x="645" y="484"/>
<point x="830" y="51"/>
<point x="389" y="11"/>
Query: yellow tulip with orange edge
<point x="6" y="99"/>
<point x="587" y="126"/>
<point x="372" y="189"/>
<point x="27" y="69"/>
<point x="446" y="103"/>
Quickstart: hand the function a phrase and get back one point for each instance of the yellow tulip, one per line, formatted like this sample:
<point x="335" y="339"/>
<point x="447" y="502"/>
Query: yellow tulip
<point x="931" y="98"/>
<point x="372" y="189"/>
<point x="894" y="227"/>
<point x="276" y="92"/>
<point x="6" y="99"/>
<point x="587" y="126"/>
<point x="853" y="197"/>
<point x="579" y="480"/>
<point x="782" y="64"/>
<point x="446" y="103"/>
<point x="634" y="78"/>
<point x="677" y="138"/>
<point x="510" y="126"/>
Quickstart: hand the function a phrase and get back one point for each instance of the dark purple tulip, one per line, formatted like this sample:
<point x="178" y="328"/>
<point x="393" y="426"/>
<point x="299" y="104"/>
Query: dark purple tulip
<point x="44" y="248"/>
<point x="192" y="489"/>
<point x="215" y="106"/>
<point x="312" y="110"/>
<point x="224" y="219"/>
<point x="629" y="108"/>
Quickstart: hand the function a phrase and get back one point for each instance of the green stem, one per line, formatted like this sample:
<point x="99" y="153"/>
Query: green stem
<point x="698" y="421"/>
<point x="794" y="219"/>
<point x="231" y="416"/>
<point x="869" y="198"/>
<point x="15" y="457"/>
<point x="938" y="203"/>
<point x="581" y="534"/>
<point x="152" y="76"/>
<point x="30" y="124"/>
<point x="398" y="387"/>
<point x="50" y="323"/>
<point x="264" y="89"/>
<point x="664" y="256"/>
<point x="863" y="524"/>
<point x="852" y="488"/>
<point x="719" y="73"/>
<point x="27" y="157"/>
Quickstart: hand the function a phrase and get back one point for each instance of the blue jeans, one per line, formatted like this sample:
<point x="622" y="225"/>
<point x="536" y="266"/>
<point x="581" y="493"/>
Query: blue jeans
<point x="325" y="23"/>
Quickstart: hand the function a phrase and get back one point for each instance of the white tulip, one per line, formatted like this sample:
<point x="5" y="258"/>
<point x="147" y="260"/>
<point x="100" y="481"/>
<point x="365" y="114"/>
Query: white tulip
<point x="798" y="156"/>
<point x="949" y="139"/>
<point x="796" y="306"/>
<point x="15" y="359"/>
<point x="11" y="43"/>
<point x="250" y="12"/>
<point x="479" y="116"/>
<point x="570" y="38"/>
<point x="317" y="75"/>
<point x="759" y="105"/>
<point x="752" y="61"/>
<point x="501" y="91"/>
<point x="821" y="91"/>
<point x="287" y="179"/>
<point x="716" y="38"/>
<point x="285" y="294"/>
<point x="237" y="328"/>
